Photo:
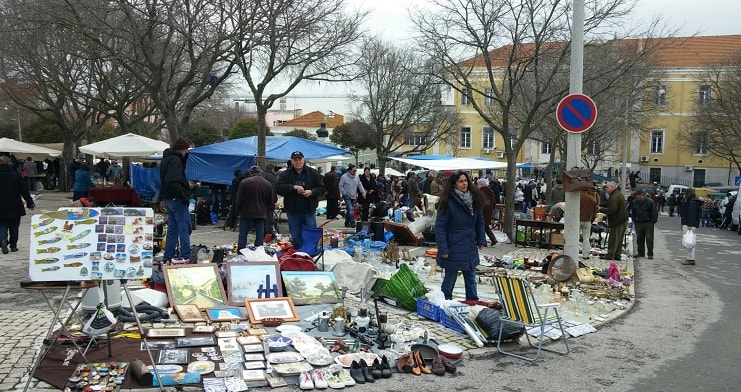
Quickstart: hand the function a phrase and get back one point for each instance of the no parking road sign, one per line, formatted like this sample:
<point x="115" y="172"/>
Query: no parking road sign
<point x="576" y="113"/>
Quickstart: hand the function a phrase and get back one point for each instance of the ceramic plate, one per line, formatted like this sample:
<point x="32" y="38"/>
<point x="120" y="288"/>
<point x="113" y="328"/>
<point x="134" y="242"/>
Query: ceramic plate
<point x="201" y="367"/>
<point x="320" y="360"/>
<point x="278" y="341"/>
<point x="285" y="357"/>
<point x="293" y="368"/>
<point x="167" y="369"/>
<point x="347" y="359"/>
<point x="288" y="328"/>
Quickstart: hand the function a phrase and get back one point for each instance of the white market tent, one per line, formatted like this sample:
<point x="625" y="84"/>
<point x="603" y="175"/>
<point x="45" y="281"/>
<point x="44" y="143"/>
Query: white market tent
<point x="13" y="146"/>
<point x="444" y="162"/>
<point x="128" y="145"/>
<point x="389" y="172"/>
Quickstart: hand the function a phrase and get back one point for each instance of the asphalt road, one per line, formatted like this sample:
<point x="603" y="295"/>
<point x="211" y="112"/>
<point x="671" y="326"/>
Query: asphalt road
<point x="680" y="335"/>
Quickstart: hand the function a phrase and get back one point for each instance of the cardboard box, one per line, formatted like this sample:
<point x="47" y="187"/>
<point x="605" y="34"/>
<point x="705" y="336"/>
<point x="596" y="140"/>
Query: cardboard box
<point x="557" y="239"/>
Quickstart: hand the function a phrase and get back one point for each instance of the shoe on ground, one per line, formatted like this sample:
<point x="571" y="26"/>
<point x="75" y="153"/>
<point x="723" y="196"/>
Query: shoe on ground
<point x="356" y="373"/>
<point x="650" y="257"/>
<point x="438" y="368"/>
<point x="319" y="381"/>
<point x="346" y="378"/>
<point x="688" y="262"/>
<point x="304" y="381"/>
<point x="449" y="367"/>
<point x="376" y="368"/>
<point x="14" y="249"/>
<point x="4" y="245"/>
<point x="333" y="381"/>
<point x="604" y="257"/>
<point x="367" y="371"/>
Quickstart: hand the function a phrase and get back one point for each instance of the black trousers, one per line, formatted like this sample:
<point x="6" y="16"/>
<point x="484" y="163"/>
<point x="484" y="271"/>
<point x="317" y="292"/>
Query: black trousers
<point x="333" y="207"/>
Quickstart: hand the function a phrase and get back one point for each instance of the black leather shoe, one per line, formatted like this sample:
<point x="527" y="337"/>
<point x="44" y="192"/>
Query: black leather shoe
<point x="366" y="371"/>
<point x="4" y="245"/>
<point x="604" y="257"/>
<point x="385" y="367"/>
<point x="376" y="368"/>
<point x="356" y="372"/>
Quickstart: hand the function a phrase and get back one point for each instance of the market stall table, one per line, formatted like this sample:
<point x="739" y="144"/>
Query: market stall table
<point x="114" y="195"/>
<point x="529" y="227"/>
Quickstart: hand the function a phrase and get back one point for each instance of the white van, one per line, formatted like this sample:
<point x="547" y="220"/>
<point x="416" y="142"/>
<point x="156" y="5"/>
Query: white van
<point x="736" y="217"/>
<point x="676" y="189"/>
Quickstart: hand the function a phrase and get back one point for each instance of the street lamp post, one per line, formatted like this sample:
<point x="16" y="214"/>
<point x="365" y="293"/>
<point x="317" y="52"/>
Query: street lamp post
<point x="18" y="118"/>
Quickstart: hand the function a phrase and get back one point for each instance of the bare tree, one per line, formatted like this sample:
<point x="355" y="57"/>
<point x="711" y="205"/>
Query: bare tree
<point x="716" y="126"/>
<point x="509" y="61"/>
<point x="402" y="100"/>
<point x="279" y="44"/>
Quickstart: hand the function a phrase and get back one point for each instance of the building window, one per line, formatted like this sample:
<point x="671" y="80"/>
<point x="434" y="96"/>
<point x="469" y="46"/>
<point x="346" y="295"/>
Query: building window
<point x="654" y="175"/>
<point x="466" y="97"/>
<point x="415" y="139"/>
<point x="657" y="141"/>
<point x="703" y="95"/>
<point x="465" y="139"/>
<point x="593" y="148"/>
<point x="545" y="148"/>
<point x="488" y="137"/>
<point x="489" y="98"/>
<point x="701" y="143"/>
<point x="660" y="95"/>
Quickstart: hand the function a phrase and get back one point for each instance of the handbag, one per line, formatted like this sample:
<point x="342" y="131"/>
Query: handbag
<point x="576" y="180"/>
<point x="584" y="275"/>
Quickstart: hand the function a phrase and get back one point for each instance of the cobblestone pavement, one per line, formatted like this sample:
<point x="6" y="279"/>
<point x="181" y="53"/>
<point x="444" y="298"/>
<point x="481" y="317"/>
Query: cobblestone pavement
<point x="25" y="316"/>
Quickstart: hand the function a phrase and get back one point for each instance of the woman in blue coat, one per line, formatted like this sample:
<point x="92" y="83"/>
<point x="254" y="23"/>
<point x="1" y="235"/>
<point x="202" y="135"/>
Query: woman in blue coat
<point x="460" y="233"/>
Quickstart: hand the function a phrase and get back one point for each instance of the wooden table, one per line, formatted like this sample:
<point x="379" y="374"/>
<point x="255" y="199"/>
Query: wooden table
<point x="542" y="227"/>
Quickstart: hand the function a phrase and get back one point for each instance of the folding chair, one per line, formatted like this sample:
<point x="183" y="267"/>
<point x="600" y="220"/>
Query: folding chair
<point x="519" y="307"/>
<point x="313" y="243"/>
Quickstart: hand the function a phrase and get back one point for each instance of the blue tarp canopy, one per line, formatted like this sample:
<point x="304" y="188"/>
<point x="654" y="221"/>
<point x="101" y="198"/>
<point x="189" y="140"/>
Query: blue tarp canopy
<point x="216" y="162"/>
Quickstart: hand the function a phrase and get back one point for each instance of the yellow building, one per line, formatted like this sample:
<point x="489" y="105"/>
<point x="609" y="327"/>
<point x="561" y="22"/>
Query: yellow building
<point x="680" y="69"/>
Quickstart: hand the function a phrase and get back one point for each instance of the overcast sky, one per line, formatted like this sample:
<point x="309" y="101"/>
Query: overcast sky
<point x="389" y="18"/>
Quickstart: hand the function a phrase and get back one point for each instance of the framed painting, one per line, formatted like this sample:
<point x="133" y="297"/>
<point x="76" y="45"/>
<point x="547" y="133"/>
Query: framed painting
<point x="224" y="314"/>
<point x="262" y="308"/>
<point x="311" y="287"/>
<point x="195" y="284"/>
<point x="252" y="280"/>
<point x="189" y="313"/>
<point x="173" y="356"/>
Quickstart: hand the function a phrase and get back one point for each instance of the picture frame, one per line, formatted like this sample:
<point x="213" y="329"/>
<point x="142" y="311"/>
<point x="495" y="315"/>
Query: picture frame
<point x="165" y="332"/>
<point x="173" y="356"/>
<point x="253" y="280"/>
<point x="204" y="329"/>
<point x="189" y="313"/>
<point x="225" y="314"/>
<point x="194" y="284"/>
<point x="261" y="308"/>
<point x="195" y="341"/>
<point x="311" y="287"/>
<point x="158" y="345"/>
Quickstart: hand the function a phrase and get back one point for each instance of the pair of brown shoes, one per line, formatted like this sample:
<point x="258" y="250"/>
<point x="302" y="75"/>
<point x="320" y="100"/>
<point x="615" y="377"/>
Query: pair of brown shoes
<point x="688" y="262"/>
<point x="412" y="363"/>
<point x="441" y="365"/>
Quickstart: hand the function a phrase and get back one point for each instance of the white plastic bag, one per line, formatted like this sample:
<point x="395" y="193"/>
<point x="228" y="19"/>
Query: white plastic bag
<point x="100" y="322"/>
<point x="688" y="239"/>
<point x="258" y="254"/>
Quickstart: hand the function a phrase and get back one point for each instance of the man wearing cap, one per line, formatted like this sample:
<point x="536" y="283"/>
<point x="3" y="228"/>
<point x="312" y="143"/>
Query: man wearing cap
<point x="175" y="193"/>
<point x="645" y="215"/>
<point x="254" y="197"/>
<point x="300" y="187"/>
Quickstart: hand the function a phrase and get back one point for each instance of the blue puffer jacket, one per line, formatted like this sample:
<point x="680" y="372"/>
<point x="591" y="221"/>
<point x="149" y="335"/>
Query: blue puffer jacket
<point x="458" y="234"/>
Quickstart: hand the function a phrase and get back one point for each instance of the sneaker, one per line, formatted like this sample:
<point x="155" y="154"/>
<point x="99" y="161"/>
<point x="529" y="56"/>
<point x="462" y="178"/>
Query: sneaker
<point x="346" y="378"/>
<point x="4" y="245"/>
<point x="304" y="381"/>
<point x="333" y="381"/>
<point x="319" y="381"/>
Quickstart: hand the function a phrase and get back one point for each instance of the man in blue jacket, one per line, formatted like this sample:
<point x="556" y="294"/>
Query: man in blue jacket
<point x="300" y="186"/>
<point x="175" y="194"/>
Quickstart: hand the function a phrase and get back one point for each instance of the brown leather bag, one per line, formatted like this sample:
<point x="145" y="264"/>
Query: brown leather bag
<point x="576" y="180"/>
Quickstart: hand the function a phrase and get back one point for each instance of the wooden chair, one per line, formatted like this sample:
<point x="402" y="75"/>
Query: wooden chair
<point x="519" y="307"/>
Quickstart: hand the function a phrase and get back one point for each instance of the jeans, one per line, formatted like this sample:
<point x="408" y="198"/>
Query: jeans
<point x="218" y="202"/>
<point x="526" y="204"/>
<point x="295" y="224"/>
<point x="10" y="225"/>
<point x="349" y="211"/>
<point x="469" y="279"/>
<point x="244" y="228"/>
<point x="645" y="238"/>
<point x="178" y="228"/>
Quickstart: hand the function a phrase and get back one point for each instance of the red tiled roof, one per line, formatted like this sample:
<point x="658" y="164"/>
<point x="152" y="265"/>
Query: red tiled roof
<point x="698" y="51"/>
<point x="314" y="120"/>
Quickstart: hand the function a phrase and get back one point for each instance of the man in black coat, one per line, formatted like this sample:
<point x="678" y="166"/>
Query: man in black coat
<point x="332" y="184"/>
<point x="175" y="194"/>
<point x="300" y="186"/>
<point x="645" y="215"/>
<point x="254" y="196"/>
<point x="13" y="189"/>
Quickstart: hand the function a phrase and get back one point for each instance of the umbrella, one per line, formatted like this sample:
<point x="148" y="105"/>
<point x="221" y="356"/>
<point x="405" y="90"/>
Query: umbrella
<point x="10" y="145"/>
<point x="128" y="145"/>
